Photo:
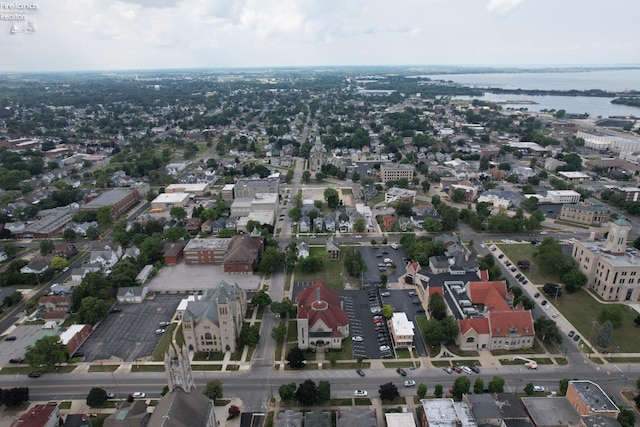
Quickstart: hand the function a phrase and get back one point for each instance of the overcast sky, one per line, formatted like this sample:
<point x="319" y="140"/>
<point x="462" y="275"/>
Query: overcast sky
<point x="142" y="34"/>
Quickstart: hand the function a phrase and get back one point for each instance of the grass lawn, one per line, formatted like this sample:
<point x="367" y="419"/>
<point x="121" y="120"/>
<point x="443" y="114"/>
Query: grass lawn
<point x="362" y="401"/>
<point x="346" y="353"/>
<point x="331" y="274"/>
<point x="581" y="309"/>
<point x="351" y="365"/>
<point x="518" y="252"/>
<point x="397" y="364"/>
<point x="208" y="357"/>
<point x="403" y="353"/>
<point x="103" y="368"/>
<point x="163" y="345"/>
<point x="441" y="363"/>
<point x="147" y="368"/>
<point x="206" y="367"/>
<point x="65" y="405"/>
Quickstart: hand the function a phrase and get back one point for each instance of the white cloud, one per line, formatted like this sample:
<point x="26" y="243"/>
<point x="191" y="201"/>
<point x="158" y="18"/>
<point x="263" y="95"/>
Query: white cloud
<point x="503" y="6"/>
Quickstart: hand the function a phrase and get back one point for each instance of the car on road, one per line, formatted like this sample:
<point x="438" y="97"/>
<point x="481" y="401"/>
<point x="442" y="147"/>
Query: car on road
<point x="16" y="360"/>
<point x="10" y="338"/>
<point x="139" y="394"/>
<point x="543" y="233"/>
<point x="358" y="236"/>
<point x="500" y="256"/>
<point x="360" y="372"/>
<point x="457" y="369"/>
<point x="447" y="369"/>
<point x="576" y="338"/>
<point x="571" y="334"/>
<point x="111" y="395"/>
<point x="538" y="388"/>
<point x="115" y="310"/>
<point x="360" y="393"/>
<point x="466" y="369"/>
<point x="536" y="295"/>
<point x="357" y="338"/>
<point x="409" y="383"/>
<point x="401" y="372"/>
<point x="420" y="311"/>
<point x="34" y="374"/>
<point x="384" y="348"/>
<point x="544" y="302"/>
<point x="385" y="294"/>
<point x="475" y="369"/>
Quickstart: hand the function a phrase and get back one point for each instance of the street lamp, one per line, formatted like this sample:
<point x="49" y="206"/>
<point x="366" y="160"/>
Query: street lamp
<point x="593" y="324"/>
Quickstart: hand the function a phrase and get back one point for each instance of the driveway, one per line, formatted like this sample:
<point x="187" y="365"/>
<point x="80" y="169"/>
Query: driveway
<point x="375" y="255"/>
<point x="130" y="334"/>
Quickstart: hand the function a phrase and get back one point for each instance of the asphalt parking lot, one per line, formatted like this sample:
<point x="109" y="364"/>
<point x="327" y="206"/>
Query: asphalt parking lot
<point x="26" y="335"/>
<point x="374" y="255"/>
<point x="358" y="304"/>
<point x="130" y="334"/>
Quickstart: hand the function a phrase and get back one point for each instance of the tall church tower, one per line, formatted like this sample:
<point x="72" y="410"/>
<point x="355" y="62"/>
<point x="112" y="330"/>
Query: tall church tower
<point x="617" y="239"/>
<point x="177" y="367"/>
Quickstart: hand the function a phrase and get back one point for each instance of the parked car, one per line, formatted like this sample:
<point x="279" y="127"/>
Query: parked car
<point x="409" y="383"/>
<point x="139" y="394"/>
<point x="360" y="393"/>
<point x="544" y="302"/>
<point x="34" y="374"/>
<point x="475" y="369"/>
<point x="16" y="360"/>
<point x="500" y="256"/>
<point x="571" y="334"/>
<point x="360" y="372"/>
<point x="160" y="331"/>
<point x="412" y="294"/>
<point x="525" y="281"/>
<point x="466" y="369"/>
<point x="10" y="338"/>
<point x="385" y="294"/>
<point x="554" y="315"/>
<point x="457" y="369"/>
<point x="420" y="311"/>
<point x="538" y="388"/>
<point x="384" y="348"/>
<point x="576" y="338"/>
<point x="357" y="338"/>
<point x="447" y="369"/>
<point x="401" y="372"/>
<point x="536" y="295"/>
<point x="111" y="395"/>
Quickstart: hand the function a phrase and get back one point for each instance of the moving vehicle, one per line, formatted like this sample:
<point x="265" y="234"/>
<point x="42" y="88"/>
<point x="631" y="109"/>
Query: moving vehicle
<point x="360" y="393"/>
<point x="401" y="372"/>
<point x="139" y="394"/>
<point x="360" y="372"/>
<point x="34" y="374"/>
<point x="409" y="383"/>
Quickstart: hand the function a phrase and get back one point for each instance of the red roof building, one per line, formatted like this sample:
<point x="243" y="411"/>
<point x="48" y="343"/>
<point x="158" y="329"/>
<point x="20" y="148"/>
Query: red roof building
<point x="38" y="416"/>
<point x="321" y="320"/>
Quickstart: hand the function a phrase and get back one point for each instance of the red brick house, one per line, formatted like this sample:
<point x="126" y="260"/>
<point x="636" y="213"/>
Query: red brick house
<point x="243" y="254"/>
<point x="173" y="253"/>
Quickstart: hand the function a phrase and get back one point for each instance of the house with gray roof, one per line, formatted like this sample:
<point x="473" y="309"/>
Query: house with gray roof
<point x="330" y="222"/>
<point x="305" y="224"/>
<point x="485" y="409"/>
<point x="289" y="418"/>
<point x="36" y="266"/>
<point x="357" y="417"/>
<point x="129" y="414"/>
<point x="214" y="322"/>
<point x="135" y="294"/>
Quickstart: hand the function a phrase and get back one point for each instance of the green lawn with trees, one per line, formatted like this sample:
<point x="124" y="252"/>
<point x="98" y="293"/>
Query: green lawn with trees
<point x="332" y="273"/>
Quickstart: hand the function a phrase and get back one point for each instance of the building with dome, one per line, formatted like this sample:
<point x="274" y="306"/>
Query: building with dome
<point x="612" y="269"/>
<point x="322" y="323"/>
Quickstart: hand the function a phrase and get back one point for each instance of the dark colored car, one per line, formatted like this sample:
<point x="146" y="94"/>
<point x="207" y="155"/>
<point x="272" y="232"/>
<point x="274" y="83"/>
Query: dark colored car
<point x="10" y="338"/>
<point x="16" y="360"/>
<point x="576" y="338"/>
<point x="360" y="372"/>
<point x="401" y="372"/>
<point x="475" y="369"/>
<point x="571" y="334"/>
<point x="457" y="369"/>
<point x="420" y="311"/>
<point x="536" y="295"/>
<point x="544" y="302"/>
<point x="34" y="374"/>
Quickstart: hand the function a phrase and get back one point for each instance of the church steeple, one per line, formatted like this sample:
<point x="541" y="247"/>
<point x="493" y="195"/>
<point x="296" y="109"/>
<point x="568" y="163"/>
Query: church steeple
<point x="178" y="369"/>
<point x="617" y="239"/>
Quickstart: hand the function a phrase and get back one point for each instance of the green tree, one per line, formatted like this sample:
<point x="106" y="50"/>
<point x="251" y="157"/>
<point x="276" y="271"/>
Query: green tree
<point x="605" y="336"/>
<point x="359" y="225"/>
<point x="613" y="314"/>
<point x="437" y="306"/>
<point x="46" y="247"/>
<point x="478" y="386"/>
<point x="437" y="390"/>
<point x="332" y="197"/>
<point x="46" y="352"/>
<point x="387" y="311"/>
<point x="404" y="208"/>
<point x="547" y="330"/>
<point x="104" y="215"/>
<point x="69" y="235"/>
<point x="213" y="390"/>
<point x="627" y="418"/>
<point x="457" y="195"/>
<point x="178" y="213"/>
<point x="58" y="263"/>
<point x="11" y="249"/>
<point x="278" y="333"/>
<point x="97" y="397"/>
<point x="529" y="389"/>
<point x="173" y="234"/>
<point x="92" y="310"/>
<point x="353" y="262"/>
<point x="496" y="385"/>
<point x="287" y="391"/>
<point x="563" y="386"/>
<point x="324" y="391"/>
<point x="261" y="299"/>
<point x="355" y="177"/>
<point x="461" y="386"/>
<point x="250" y="335"/>
<point x="283" y="307"/>
<point x="421" y="391"/>
<point x="270" y="260"/>
<point x="295" y="357"/>
<point x="388" y="391"/>
<point x="307" y="393"/>
<point x="306" y="177"/>
<point x="92" y="233"/>
<point x="574" y="280"/>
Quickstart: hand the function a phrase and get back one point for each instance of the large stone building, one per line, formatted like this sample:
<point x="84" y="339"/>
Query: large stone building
<point x="238" y="255"/>
<point x="612" y="269"/>
<point x="590" y="212"/>
<point x="394" y="172"/>
<point x="321" y="320"/>
<point x="317" y="156"/>
<point x="249" y="187"/>
<point x="214" y="321"/>
<point x="119" y="199"/>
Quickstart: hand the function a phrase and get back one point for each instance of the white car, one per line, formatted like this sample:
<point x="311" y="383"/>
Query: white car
<point x="360" y="393"/>
<point x="357" y="339"/>
<point x="358" y="236"/>
<point x="538" y="388"/>
<point x="139" y="394"/>
<point x="466" y="369"/>
<point x="554" y="315"/>
<point x="409" y="383"/>
<point x="160" y="331"/>
<point x="385" y="294"/>
<point x="547" y="307"/>
<point x="384" y="348"/>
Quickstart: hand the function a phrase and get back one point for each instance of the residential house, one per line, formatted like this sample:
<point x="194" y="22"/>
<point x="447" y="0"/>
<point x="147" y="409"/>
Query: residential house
<point x="485" y="409"/>
<point x="132" y="253"/>
<point x="55" y="308"/>
<point x="317" y="418"/>
<point x="206" y="226"/>
<point x="344" y="222"/>
<point x="356" y="417"/>
<point x="106" y="258"/>
<point x="132" y="294"/>
<point x="219" y="225"/>
<point x="304" y="224"/>
<point x="318" y="224"/>
<point x="193" y="225"/>
<point x="303" y="250"/>
<point x="332" y="247"/>
<point x="330" y="222"/>
<point x="36" y="266"/>
<point x="243" y="253"/>
<point x="47" y="415"/>
<point x="402" y="330"/>
<point x="214" y="322"/>
<point x="129" y="414"/>
<point x="65" y="250"/>
<point x="321" y="320"/>
<point x="81" y="229"/>
<point x="388" y="222"/>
